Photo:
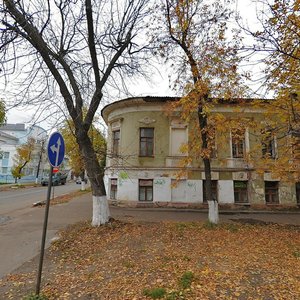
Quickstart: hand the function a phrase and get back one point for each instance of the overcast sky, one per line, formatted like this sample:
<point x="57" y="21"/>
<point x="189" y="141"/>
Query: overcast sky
<point x="160" y="84"/>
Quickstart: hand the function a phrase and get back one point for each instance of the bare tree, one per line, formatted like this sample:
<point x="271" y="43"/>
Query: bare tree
<point x="75" y="51"/>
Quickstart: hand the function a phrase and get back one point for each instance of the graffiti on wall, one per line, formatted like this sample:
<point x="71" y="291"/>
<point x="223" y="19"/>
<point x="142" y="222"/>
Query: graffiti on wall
<point x="159" y="182"/>
<point x="191" y="185"/>
<point x="122" y="177"/>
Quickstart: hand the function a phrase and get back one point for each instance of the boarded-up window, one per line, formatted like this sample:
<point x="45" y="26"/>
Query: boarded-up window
<point x="113" y="188"/>
<point x="145" y="190"/>
<point x="271" y="192"/>
<point x="178" y="192"/>
<point x="178" y="139"/>
<point x="146" y="141"/>
<point x="240" y="192"/>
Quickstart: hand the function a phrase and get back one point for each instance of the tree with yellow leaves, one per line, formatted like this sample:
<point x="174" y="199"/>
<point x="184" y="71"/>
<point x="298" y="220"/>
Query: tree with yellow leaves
<point x="206" y="67"/>
<point x="279" y="40"/>
<point x="22" y="158"/>
<point x="77" y="163"/>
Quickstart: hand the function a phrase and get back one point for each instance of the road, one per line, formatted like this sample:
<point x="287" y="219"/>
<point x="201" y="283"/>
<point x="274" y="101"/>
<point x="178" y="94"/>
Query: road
<point x="21" y="224"/>
<point x="18" y="199"/>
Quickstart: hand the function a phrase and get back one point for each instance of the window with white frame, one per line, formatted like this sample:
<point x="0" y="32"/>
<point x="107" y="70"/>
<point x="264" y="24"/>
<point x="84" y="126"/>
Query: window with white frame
<point x="4" y="155"/>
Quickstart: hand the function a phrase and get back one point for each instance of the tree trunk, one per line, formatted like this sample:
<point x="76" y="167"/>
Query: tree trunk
<point x="82" y="184"/>
<point x="95" y="174"/>
<point x="213" y="211"/>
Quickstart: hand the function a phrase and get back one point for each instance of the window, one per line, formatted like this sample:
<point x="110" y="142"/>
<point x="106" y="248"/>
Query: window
<point x="4" y="170"/>
<point x="146" y="141"/>
<point x="271" y="192"/>
<point x="214" y="190"/>
<point x="145" y="190"/>
<point x="240" y="192"/>
<point x="115" y="142"/>
<point x="298" y="192"/>
<point x="268" y="144"/>
<point x="238" y="142"/>
<point x="4" y="155"/>
<point x="113" y="188"/>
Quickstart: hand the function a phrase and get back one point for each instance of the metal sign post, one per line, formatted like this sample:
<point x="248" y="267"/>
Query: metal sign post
<point x="38" y="283"/>
<point x="56" y="152"/>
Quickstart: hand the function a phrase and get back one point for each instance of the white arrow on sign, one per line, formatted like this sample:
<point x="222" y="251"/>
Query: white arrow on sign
<point x="55" y="148"/>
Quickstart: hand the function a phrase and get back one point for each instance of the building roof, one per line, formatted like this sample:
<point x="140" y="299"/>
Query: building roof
<point x="135" y="100"/>
<point x="164" y="99"/>
<point x="13" y="127"/>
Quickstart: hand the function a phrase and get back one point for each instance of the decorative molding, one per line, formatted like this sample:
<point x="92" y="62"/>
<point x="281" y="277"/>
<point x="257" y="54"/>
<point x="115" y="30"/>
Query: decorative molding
<point x="116" y="124"/>
<point x="269" y="177"/>
<point x="240" y="176"/>
<point x="178" y="123"/>
<point x="147" y="120"/>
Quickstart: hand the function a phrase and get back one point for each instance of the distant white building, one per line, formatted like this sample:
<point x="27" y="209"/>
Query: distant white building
<point x="14" y="135"/>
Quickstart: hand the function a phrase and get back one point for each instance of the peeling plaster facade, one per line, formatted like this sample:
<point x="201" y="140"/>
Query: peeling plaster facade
<point x="132" y="177"/>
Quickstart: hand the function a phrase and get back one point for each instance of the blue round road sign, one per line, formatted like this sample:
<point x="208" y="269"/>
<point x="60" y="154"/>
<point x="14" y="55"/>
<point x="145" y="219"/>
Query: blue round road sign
<point x="56" y="149"/>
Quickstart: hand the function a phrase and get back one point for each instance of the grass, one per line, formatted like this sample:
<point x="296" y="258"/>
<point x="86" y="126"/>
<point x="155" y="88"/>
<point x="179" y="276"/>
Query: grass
<point x="296" y="253"/>
<point x="185" y="281"/>
<point x="155" y="293"/>
<point x="35" y="297"/>
<point x="210" y="225"/>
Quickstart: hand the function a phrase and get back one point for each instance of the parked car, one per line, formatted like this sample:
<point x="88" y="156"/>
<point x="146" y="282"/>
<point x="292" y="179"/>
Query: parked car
<point x="57" y="178"/>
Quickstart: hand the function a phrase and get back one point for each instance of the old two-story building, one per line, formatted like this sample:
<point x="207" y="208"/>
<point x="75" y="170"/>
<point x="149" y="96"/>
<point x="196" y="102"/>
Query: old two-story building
<point x="144" y="158"/>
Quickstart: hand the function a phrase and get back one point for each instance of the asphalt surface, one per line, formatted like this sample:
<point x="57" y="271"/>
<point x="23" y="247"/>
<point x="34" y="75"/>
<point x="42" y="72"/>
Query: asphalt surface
<point x="12" y="200"/>
<point x="20" y="236"/>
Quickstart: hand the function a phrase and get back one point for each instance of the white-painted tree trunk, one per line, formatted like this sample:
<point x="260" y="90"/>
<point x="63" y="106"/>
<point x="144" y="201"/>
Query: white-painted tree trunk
<point x="100" y="210"/>
<point x="213" y="212"/>
<point x="83" y="188"/>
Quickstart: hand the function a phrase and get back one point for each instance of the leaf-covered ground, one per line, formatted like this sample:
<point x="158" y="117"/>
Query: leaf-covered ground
<point x="168" y="260"/>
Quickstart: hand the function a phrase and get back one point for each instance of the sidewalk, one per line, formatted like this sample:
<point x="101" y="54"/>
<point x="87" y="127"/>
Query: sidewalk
<point x="21" y="235"/>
